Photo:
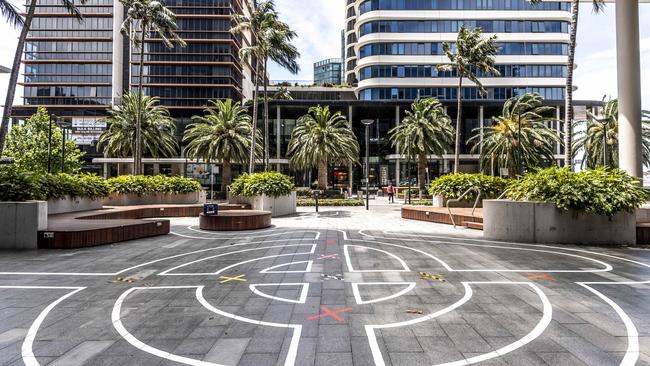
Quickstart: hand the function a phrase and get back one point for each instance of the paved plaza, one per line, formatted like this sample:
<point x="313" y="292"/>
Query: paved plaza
<point x="343" y="287"/>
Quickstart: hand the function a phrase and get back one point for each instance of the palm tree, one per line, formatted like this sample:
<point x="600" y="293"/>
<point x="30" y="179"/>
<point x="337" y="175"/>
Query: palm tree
<point x="425" y="130"/>
<point x="10" y="13"/>
<point x="272" y="42"/>
<point x="319" y="138"/>
<point x="472" y="53"/>
<point x="520" y="137"/>
<point x="597" y="137"/>
<point x="222" y="134"/>
<point x="282" y="94"/>
<point x="598" y="6"/>
<point x="150" y="16"/>
<point x="7" y="12"/>
<point x="157" y="128"/>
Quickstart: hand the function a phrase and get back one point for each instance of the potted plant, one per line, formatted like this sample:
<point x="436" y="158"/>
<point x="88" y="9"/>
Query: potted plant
<point x="558" y="206"/>
<point x="71" y="193"/>
<point x="129" y="190"/>
<point x="269" y="191"/>
<point x="452" y="186"/>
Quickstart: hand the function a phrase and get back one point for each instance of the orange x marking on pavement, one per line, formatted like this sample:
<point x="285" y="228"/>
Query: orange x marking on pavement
<point x="541" y="276"/>
<point x="331" y="256"/>
<point x="236" y="278"/>
<point x="328" y="312"/>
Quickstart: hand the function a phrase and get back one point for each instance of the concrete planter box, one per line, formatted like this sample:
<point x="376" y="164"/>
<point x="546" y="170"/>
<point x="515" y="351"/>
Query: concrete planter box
<point x="280" y="206"/>
<point x="116" y="199"/>
<point x="72" y="204"/>
<point x="441" y="201"/>
<point x="538" y="222"/>
<point x="20" y="223"/>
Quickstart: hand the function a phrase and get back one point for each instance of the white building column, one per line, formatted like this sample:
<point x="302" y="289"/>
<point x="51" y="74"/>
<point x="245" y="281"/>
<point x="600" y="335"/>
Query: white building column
<point x="278" y="131"/>
<point x="629" y="87"/>
<point x="118" y="52"/>
<point x="398" y="162"/>
<point x="351" y="166"/>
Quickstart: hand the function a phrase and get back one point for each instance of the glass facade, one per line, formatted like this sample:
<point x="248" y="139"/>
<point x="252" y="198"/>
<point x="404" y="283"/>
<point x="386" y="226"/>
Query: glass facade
<point x="431" y="49"/>
<point x="431" y="71"/>
<point x="328" y="72"/>
<point x="452" y="26"/>
<point x="451" y="93"/>
<point x="372" y="5"/>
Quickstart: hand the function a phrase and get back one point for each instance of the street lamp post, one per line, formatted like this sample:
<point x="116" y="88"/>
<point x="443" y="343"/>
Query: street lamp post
<point x="367" y="123"/>
<point x="49" y="145"/>
<point x="63" y="125"/>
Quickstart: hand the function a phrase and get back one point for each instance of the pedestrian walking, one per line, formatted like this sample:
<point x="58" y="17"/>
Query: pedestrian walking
<point x="391" y="193"/>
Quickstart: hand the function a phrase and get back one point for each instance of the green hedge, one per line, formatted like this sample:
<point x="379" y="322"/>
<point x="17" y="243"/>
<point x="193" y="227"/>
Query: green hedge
<point x="331" y="202"/>
<point x="272" y="184"/>
<point x="22" y="186"/>
<point x="452" y="186"/>
<point x="590" y="191"/>
<point x="140" y="184"/>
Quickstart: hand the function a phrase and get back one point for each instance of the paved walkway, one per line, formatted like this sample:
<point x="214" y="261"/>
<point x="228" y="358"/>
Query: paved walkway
<point x="344" y="287"/>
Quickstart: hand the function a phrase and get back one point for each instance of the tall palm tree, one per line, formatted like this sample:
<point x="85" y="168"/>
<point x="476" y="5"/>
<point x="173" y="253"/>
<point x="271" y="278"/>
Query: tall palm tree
<point x="283" y="94"/>
<point x="272" y="41"/>
<point x="472" y="52"/>
<point x="319" y="138"/>
<point x="10" y="14"/>
<point x="597" y="137"/>
<point x="598" y="5"/>
<point x="70" y="6"/>
<point x="520" y="137"/>
<point x="147" y="16"/>
<point x="426" y="130"/>
<point x="157" y="128"/>
<point x="223" y="133"/>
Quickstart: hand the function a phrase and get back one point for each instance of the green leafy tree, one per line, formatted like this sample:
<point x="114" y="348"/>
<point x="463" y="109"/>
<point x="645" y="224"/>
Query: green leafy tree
<point x="597" y="137"/>
<point x="598" y="5"/>
<point x="426" y="130"/>
<point x="272" y="42"/>
<point x="319" y="138"/>
<point x="472" y="52"/>
<point x="222" y="134"/>
<point x="520" y="137"/>
<point x="157" y="128"/>
<point x="147" y="16"/>
<point x="27" y="144"/>
<point x="8" y="12"/>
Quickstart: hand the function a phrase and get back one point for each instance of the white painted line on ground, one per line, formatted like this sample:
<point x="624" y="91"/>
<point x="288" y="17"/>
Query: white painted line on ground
<point x="127" y="336"/>
<point x="167" y="272"/>
<point x="357" y="296"/>
<point x="547" y="316"/>
<point x="632" y="352"/>
<point x="271" y="270"/>
<point x="316" y="237"/>
<point x="301" y="299"/>
<point x="292" y="352"/>
<point x="346" y="252"/>
<point x="607" y="266"/>
<point x="26" y="350"/>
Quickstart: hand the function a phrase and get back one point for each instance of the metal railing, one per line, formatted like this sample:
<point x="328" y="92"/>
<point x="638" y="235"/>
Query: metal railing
<point x="478" y="197"/>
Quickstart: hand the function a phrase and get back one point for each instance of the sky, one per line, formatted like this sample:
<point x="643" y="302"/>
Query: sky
<point x="319" y="23"/>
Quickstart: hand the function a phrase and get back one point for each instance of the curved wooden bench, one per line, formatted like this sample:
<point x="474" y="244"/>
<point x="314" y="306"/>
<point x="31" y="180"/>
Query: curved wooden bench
<point x="236" y="220"/>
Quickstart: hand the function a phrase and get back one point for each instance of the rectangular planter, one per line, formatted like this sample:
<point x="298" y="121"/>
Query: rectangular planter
<point x="539" y="222"/>
<point x="280" y="206"/>
<point x="20" y="223"/>
<point x="116" y="199"/>
<point x="72" y="204"/>
<point x="441" y="201"/>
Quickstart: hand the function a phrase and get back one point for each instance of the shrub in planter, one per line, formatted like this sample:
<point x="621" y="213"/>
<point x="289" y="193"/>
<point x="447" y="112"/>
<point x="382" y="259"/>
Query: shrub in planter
<point x="452" y="186"/>
<point x="271" y="184"/>
<point x="303" y="192"/>
<point x="60" y="186"/>
<point x="140" y="185"/>
<point x="18" y="186"/>
<point x="598" y="191"/>
<point x="302" y="202"/>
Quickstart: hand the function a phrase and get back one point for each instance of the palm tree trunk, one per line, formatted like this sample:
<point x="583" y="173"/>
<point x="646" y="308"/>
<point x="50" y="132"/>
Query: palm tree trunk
<point x="227" y="175"/>
<point x="422" y="168"/>
<point x="322" y="174"/>
<point x="13" y="78"/>
<point x="137" y="158"/>
<point x="568" y="130"/>
<point x="458" y="124"/>
<point x="256" y="92"/>
<point x="266" y="118"/>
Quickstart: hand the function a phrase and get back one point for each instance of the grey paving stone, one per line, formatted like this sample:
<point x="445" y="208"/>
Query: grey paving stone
<point x="329" y="359"/>
<point x="81" y="353"/>
<point x="227" y="351"/>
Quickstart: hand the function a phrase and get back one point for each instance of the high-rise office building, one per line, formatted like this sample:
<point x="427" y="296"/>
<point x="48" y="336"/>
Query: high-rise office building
<point x="393" y="47"/>
<point x="328" y="71"/>
<point x="78" y="69"/>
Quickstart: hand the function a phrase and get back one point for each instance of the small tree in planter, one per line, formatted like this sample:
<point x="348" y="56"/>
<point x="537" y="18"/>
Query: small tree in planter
<point x="269" y="191"/>
<point x="452" y="186"/>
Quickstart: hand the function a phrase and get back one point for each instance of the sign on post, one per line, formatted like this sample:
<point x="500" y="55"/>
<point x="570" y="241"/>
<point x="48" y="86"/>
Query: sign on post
<point x="85" y="130"/>
<point x="210" y="209"/>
